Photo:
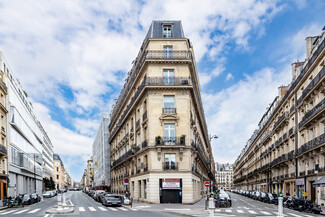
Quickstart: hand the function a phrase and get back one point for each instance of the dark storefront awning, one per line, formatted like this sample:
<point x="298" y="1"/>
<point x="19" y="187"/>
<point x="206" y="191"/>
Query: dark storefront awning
<point x="320" y="182"/>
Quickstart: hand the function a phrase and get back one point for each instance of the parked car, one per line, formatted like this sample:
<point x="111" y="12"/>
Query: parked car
<point x="27" y="200"/>
<point x="262" y="197"/>
<point x="35" y="198"/>
<point x="112" y="200"/>
<point x="256" y="195"/>
<point x="223" y="200"/>
<point x="271" y="198"/>
<point x="48" y="194"/>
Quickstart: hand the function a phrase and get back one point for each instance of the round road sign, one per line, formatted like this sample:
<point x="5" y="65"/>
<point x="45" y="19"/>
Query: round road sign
<point x="207" y="184"/>
<point x="126" y="180"/>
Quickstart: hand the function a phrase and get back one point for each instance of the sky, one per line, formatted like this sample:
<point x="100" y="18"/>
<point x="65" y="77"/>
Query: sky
<point x="72" y="57"/>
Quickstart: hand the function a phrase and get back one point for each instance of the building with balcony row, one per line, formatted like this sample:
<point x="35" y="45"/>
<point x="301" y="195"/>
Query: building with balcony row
<point x="224" y="176"/>
<point x="286" y="154"/>
<point x="28" y="146"/>
<point x="88" y="176"/>
<point x="101" y="156"/>
<point x="158" y="133"/>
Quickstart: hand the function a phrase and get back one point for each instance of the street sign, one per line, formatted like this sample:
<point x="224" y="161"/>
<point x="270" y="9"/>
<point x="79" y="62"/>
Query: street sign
<point x="305" y="194"/>
<point x="207" y="184"/>
<point x="126" y="181"/>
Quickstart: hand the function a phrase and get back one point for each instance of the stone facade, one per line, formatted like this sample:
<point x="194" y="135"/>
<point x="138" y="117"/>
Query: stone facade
<point x="224" y="176"/>
<point x="158" y="134"/>
<point x="286" y="154"/>
<point x="59" y="172"/>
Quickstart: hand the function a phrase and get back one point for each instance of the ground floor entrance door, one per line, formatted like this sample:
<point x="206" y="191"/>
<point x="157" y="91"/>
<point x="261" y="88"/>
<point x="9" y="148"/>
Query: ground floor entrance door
<point x="170" y="190"/>
<point x="312" y="192"/>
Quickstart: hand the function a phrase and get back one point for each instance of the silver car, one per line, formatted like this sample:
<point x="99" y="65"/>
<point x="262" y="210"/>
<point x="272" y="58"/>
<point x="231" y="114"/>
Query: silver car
<point x="112" y="200"/>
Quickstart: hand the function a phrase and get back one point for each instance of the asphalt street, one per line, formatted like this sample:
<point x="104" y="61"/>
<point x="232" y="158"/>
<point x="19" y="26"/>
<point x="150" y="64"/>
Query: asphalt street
<point x="84" y="206"/>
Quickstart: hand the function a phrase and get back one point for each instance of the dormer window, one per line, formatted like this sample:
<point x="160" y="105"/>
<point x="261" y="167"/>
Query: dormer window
<point x="167" y="31"/>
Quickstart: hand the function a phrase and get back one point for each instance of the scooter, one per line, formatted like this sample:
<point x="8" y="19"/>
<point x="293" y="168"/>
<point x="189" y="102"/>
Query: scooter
<point x="312" y="208"/>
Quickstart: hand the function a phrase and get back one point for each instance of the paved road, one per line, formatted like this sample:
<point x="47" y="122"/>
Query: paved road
<point x="84" y="206"/>
<point x="243" y="206"/>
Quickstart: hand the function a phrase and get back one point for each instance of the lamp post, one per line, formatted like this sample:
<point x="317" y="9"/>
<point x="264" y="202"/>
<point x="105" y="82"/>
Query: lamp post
<point x="210" y="138"/>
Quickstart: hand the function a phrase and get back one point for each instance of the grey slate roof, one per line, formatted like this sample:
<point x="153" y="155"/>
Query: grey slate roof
<point x="155" y="30"/>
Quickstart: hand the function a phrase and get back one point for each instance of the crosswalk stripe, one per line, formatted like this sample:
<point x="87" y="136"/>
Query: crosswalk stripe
<point x="308" y="216"/>
<point x="8" y="212"/>
<point x="102" y="208"/>
<point x="133" y="209"/>
<point x="92" y="209"/>
<point x="265" y="213"/>
<point x="251" y="211"/>
<point x="81" y="209"/>
<point x="122" y="208"/>
<point x="33" y="211"/>
<point x="294" y="214"/>
<point x="228" y="210"/>
<point x="111" y="208"/>
<point x="240" y="211"/>
<point x="25" y="210"/>
<point x="217" y="210"/>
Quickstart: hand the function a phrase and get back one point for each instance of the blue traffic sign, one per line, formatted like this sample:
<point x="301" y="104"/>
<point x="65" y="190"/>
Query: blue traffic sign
<point x="126" y="180"/>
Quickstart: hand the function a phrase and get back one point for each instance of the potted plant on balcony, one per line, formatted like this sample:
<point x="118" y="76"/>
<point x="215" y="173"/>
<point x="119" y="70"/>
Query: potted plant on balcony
<point x="182" y="140"/>
<point x="158" y="140"/>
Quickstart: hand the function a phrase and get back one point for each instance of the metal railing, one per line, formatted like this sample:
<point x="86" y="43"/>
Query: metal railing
<point x="169" y="110"/>
<point x="167" y="166"/>
<point x="137" y="124"/>
<point x="145" y="116"/>
<point x="173" y="54"/>
<point x="320" y="140"/>
<point x="320" y="106"/>
<point x="168" y="81"/>
<point x="170" y="141"/>
<point x="281" y="118"/>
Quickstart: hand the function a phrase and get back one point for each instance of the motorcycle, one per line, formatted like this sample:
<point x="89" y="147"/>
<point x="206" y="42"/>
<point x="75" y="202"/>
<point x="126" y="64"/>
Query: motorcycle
<point x="298" y="204"/>
<point x="312" y="208"/>
<point x="14" y="201"/>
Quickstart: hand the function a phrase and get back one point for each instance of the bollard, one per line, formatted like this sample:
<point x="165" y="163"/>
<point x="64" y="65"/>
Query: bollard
<point x="64" y="203"/>
<point x="280" y="207"/>
<point x="59" y="202"/>
<point x="211" y="207"/>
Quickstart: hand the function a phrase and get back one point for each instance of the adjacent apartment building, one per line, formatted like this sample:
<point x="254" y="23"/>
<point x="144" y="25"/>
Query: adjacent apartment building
<point x="88" y="176"/>
<point x="101" y="156"/>
<point x="286" y="153"/>
<point x="158" y="134"/>
<point x="58" y="172"/>
<point x="25" y="138"/>
<point x="3" y="145"/>
<point x="224" y="176"/>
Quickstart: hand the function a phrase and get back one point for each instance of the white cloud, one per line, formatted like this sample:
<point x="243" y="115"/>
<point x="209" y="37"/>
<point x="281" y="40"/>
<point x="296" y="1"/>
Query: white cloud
<point x="229" y="77"/>
<point x="234" y="113"/>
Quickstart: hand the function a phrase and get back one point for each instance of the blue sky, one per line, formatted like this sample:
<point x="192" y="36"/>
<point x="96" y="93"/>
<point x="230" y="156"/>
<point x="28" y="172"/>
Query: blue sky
<point x="72" y="58"/>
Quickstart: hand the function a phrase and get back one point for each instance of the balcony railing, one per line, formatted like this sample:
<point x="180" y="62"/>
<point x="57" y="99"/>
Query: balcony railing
<point x="302" y="173"/>
<point x="144" y="116"/>
<point x="168" y="81"/>
<point x="320" y="140"/>
<point x="292" y="131"/>
<point x="311" y="85"/>
<point x="279" y="121"/>
<point x="312" y="171"/>
<point x="169" y="110"/>
<point x="3" y="149"/>
<point x="162" y="54"/>
<point x="320" y="106"/>
<point x="292" y="109"/>
<point x="145" y="169"/>
<point x="170" y="141"/>
<point x="293" y="174"/>
<point x="137" y="124"/>
<point x="167" y="166"/>
<point x="138" y="170"/>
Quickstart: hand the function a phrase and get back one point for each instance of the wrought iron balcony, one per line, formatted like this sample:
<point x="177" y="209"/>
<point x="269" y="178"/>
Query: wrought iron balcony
<point x="138" y="170"/>
<point x="145" y="169"/>
<point x="169" y="110"/>
<point x="291" y="155"/>
<point x="137" y="124"/>
<point x="312" y="171"/>
<point x="3" y="150"/>
<point x="170" y="141"/>
<point x="173" y="54"/>
<point x="280" y="120"/>
<point x="167" y="166"/>
<point x="318" y="141"/>
<point x="293" y="174"/>
<point x="292" y="109"/>
<point x="309" y="115"/>
<point x="292" y="131"/>
<point x="168" y="81"/>
<point x="302" y="173"/>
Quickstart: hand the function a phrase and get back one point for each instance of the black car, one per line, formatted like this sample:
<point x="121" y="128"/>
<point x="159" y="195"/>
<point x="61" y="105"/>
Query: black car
<point x="262" y="197"/>
<point x="271" y="198"/>
<point x="223" y="200"/>
<point x="27" y="199"/>
<point x="35" y="198"/>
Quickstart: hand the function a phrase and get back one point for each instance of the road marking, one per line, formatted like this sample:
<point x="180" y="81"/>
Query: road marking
<point x="251" y="211"/>
<point x="92" y="209"/>
<point x="33" y="211"/>
<point x="133" y="209"/>
<point x="21" y="211"/>
<point x="217" y="210"/>
<point x="111" y="208"/>
<point x="71" y="202"/>
<point x="102" y="208"/>
<point x="265" y="213"/>
<point x="294" y="215"/>
<point x="81" y="209"/>
<point x="8" y="212"/>
<point x="46" y="215"/>
<point x="240" y="211"/>
<point x="228" y="210"/>
<point x="122" y="208"/>
<point x="171" y="209"/>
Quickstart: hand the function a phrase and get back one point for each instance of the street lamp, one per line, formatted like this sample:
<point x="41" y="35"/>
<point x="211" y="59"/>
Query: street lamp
<point x="210" y="138"/>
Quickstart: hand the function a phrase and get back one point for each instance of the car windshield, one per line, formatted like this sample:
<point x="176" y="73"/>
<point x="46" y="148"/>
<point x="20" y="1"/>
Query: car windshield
<point x="26" y="196"/>
<point x="48" y="192"/>
<point x="113" y="197"/>
<point x="270" y="196"/>
<point x="224" y="196"/>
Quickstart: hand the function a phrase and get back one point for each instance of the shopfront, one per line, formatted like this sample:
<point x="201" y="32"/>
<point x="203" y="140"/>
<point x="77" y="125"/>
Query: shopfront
<point x="170" y="190"/>
<point x="300" y="183"/>
<point x="3" y="187"/>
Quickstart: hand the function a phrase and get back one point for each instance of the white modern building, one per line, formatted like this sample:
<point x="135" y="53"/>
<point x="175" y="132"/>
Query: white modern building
<point x="101" y="156"/>
<point x="27" y="140"/>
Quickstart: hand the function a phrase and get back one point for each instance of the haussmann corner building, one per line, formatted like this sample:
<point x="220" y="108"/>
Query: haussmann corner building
<point x="286" y="154"/>
<point x="158" y="133"/>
